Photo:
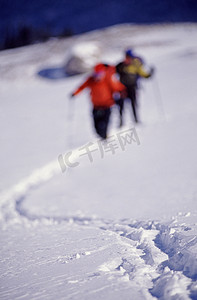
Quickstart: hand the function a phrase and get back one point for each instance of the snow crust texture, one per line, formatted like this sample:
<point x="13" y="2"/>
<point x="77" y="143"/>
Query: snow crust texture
<point x="157" y="260"/>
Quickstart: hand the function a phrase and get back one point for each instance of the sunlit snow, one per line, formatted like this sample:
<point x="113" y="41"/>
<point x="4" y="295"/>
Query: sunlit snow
<point x="122" y="225"/>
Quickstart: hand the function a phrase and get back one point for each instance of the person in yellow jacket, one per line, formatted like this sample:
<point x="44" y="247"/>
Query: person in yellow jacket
<point x="130" y="70"/>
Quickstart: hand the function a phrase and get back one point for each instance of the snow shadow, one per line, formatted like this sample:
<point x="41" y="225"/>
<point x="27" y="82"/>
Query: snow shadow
<point x="178" y="248"/>
<point x="55" y="73"/>
<point x="50" y="219"/>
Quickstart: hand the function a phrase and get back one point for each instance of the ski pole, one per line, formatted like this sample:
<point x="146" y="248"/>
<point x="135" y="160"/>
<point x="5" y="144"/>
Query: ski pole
<point x="158" y="98"/>
<point x="70" y="118"/>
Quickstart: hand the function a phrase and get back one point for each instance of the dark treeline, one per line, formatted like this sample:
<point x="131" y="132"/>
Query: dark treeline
<point x="42" y="19"/>
<point x="25" y="35"/>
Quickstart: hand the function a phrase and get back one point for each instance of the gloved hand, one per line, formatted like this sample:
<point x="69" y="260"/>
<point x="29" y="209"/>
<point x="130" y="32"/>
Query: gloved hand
<point x="123" y="94"/>
<point x="72" y="95"/>
<point x="152" y="71"/>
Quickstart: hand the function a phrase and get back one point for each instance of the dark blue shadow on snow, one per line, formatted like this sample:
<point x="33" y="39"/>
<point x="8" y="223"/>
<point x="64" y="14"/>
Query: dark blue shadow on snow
<point x="55" y="73"/>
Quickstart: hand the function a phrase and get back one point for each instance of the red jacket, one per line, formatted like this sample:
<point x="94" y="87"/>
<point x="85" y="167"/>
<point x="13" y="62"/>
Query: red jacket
<point x="102" y="89"/>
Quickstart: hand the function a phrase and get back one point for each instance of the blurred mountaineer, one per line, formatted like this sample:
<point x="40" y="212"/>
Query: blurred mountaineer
<point x="103" y="85"/>
<point x="130" y="70"/>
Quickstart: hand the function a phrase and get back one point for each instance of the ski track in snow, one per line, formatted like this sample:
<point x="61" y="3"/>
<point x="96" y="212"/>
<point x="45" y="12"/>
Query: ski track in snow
<point x="156" y="254"/>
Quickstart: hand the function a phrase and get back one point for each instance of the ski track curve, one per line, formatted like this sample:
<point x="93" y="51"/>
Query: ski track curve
<point x="156" y="253"/>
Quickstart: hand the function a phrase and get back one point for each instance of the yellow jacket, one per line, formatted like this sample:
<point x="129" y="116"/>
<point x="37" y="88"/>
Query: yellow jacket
<point x="130" y="72"/>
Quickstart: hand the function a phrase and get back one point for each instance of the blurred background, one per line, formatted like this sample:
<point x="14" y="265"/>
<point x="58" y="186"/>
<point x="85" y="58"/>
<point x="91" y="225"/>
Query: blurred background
<point x="24" y="22"/>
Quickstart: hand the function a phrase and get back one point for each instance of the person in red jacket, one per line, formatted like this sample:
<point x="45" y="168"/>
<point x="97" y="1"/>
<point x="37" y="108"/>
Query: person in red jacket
<point x="102" y="85"/>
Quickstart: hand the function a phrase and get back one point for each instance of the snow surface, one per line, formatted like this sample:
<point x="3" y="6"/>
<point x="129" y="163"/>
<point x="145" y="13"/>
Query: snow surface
<point x="123" y="226"/>
<point x="82" y="58"/>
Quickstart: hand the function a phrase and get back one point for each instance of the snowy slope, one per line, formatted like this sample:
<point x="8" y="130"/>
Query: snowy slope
<point x="121" y="226"/>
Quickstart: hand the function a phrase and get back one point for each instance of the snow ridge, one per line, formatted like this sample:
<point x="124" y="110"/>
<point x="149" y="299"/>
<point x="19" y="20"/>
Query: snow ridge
<point x="169" y="281"/>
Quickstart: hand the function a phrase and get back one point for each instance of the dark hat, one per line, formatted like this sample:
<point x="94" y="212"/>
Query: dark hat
<point x="129" y="53"/>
